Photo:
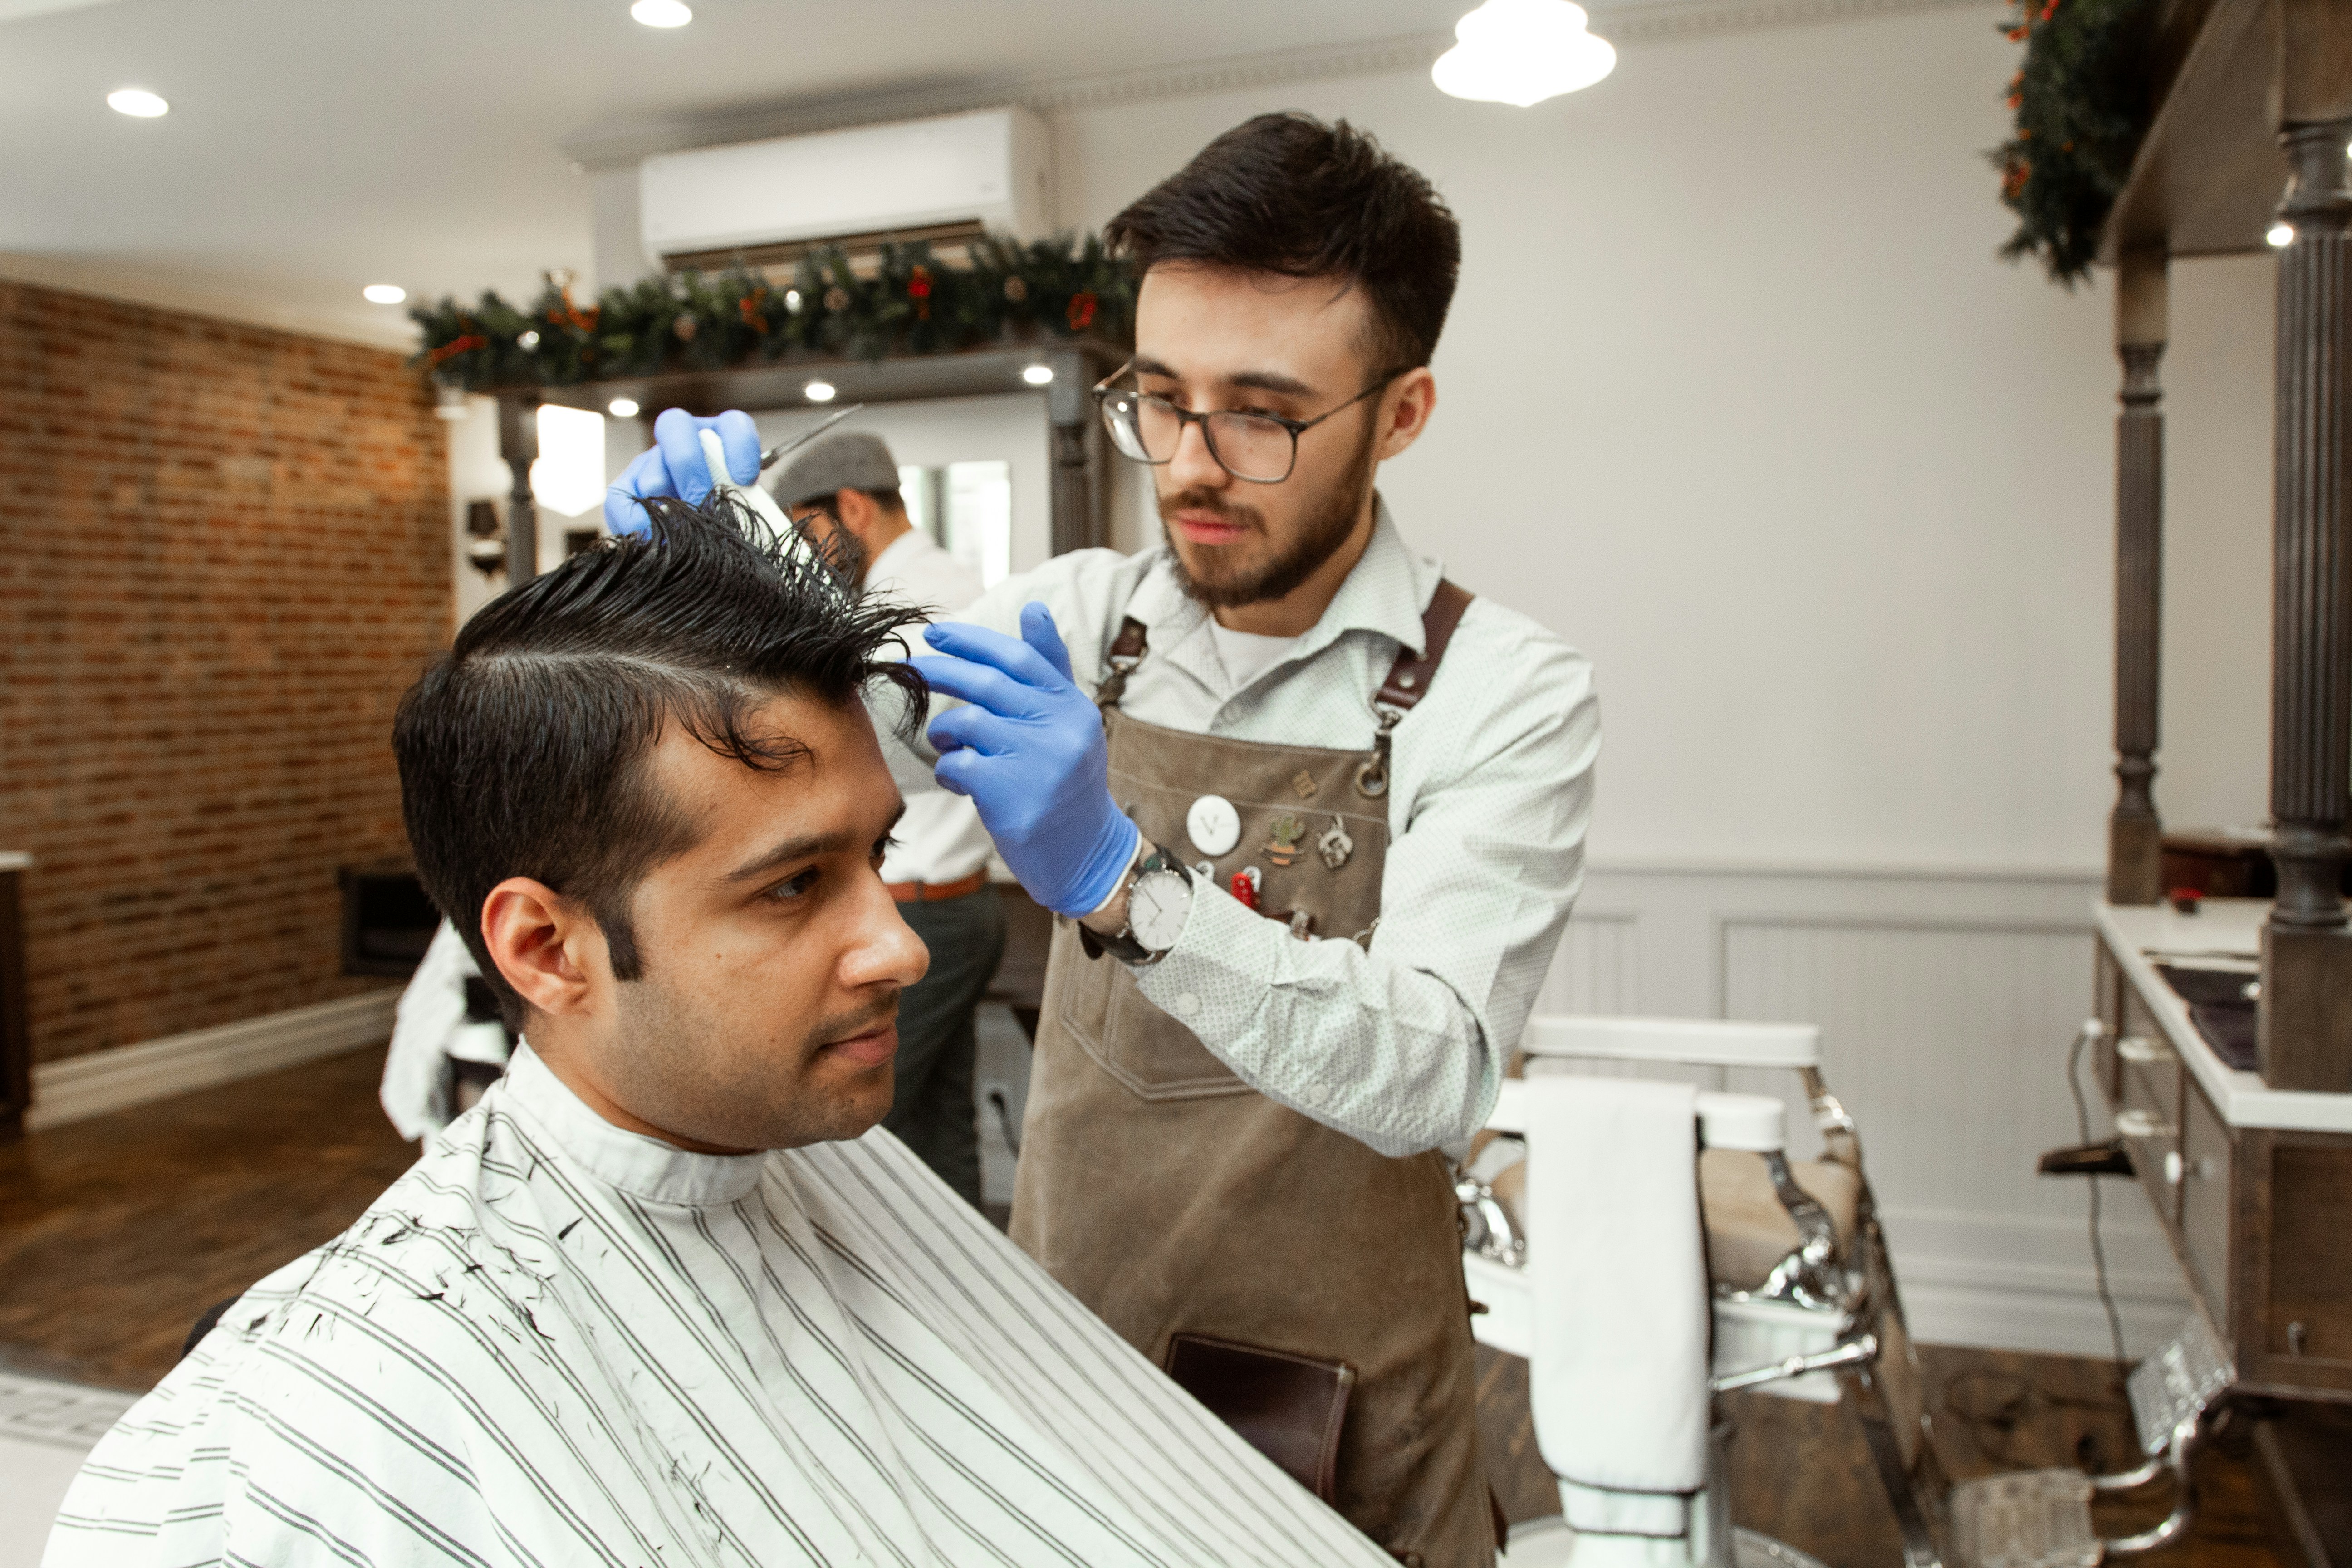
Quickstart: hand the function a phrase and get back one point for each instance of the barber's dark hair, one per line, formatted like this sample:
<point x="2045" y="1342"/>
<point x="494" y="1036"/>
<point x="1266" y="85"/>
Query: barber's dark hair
<point x="523" y="751"/>
<point x="1287" y="194"/>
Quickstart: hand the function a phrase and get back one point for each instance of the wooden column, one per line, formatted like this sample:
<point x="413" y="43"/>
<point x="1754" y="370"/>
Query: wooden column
<point x="1080" y="496"/>
<point x="2135" y="830"/>
<point x="518" y="445"/>
<point x="2304" y="1036"/>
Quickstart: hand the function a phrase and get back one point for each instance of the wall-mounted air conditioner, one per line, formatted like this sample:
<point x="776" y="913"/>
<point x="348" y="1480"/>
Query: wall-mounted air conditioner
<point x="942" y="179"/>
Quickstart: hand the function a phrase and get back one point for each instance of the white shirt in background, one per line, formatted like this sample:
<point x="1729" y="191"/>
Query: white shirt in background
<point x="556" y="1342"/>
<point x="940" y="839"/>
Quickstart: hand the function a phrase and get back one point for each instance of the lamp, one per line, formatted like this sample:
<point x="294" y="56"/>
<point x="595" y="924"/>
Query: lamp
<point x="485" y="549"/>
<point x="1521" y="52"/>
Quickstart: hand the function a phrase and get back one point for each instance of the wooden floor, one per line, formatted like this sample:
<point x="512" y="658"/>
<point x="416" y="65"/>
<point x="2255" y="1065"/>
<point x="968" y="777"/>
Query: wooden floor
<point x="117" y="1231"/>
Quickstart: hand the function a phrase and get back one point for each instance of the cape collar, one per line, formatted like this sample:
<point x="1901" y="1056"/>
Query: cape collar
<point x="631" y="1163"/>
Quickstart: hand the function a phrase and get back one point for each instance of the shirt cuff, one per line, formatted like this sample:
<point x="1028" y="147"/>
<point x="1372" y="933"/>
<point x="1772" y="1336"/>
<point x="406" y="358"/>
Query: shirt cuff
<point x="1215" y="979"/>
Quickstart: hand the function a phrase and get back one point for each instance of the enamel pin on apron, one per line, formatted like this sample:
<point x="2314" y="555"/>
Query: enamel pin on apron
<point x="1335" y="846"/>
<point x="1282" y="836"/>
<point x="1212" y="825"/>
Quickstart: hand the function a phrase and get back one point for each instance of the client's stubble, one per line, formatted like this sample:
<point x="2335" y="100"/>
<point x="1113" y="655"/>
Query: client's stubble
<point x="688" y="1070"/>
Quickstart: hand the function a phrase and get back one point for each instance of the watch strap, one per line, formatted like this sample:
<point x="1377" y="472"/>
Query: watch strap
<point x="1149" y="859"/>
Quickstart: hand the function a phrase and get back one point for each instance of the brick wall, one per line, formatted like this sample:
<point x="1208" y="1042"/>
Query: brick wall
<point x="224" y="555"/>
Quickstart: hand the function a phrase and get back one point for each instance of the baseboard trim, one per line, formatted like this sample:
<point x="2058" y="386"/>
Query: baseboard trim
<point x="2070" y="1324"/>
<point x="117" y="1080"/>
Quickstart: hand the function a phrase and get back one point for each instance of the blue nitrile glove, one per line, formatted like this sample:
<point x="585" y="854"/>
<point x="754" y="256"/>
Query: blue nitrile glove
<point x="1029" y="753"/>
<point x="674" y="464"/>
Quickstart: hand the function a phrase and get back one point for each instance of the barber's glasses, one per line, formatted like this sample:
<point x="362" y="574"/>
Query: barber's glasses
<point x="1259" y="447"/>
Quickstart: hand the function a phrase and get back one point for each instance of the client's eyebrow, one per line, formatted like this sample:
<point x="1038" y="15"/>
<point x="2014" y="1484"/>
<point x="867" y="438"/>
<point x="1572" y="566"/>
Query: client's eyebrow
<point x="1258" y="380"/>
<point x="805" y="846"/>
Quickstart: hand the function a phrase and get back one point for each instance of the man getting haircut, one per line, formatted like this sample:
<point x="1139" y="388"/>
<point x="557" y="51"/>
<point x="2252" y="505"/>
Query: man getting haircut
<point x="668" y="1295"/>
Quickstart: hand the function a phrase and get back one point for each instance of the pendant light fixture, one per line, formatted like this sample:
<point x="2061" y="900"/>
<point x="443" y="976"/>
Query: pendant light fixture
<point x="1521" y="52"/>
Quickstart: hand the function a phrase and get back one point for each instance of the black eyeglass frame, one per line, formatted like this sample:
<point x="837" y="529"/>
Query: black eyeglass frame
<point x="1103" y="392"/>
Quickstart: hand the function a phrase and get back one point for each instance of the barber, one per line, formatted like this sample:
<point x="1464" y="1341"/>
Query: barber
<point x="843" y="491"/>
<point x="1313" y="816"/>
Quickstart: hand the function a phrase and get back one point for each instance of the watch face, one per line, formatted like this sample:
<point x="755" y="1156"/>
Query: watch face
<point x="1156" y="907"/>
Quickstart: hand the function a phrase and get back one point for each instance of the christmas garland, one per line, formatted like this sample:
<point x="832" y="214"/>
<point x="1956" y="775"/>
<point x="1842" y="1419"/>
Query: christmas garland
<point x="2083" y="105"/>
<point x="698" y="321"/>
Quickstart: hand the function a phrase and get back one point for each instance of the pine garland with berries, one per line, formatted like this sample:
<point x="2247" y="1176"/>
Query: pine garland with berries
<point x="911" y="303"/>
<point x="2082" y="103"/>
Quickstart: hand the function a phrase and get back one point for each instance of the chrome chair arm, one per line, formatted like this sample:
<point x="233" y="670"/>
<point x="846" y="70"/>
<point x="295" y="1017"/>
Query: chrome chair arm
<point x="1852" y="1352"/>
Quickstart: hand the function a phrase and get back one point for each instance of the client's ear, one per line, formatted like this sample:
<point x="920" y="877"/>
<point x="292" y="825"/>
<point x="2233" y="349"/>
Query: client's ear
<point x="543" y="942"/>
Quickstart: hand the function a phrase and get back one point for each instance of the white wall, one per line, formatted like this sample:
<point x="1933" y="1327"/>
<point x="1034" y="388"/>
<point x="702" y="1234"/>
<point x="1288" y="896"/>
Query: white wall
<point x="1736" y="397"/>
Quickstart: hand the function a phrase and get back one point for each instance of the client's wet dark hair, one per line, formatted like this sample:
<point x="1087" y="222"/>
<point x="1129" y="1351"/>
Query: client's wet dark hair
<point x="523" y="750"/>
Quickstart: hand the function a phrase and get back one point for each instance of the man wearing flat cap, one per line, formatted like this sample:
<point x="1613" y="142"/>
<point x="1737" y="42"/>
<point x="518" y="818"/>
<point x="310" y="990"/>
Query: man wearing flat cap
<point x="847" y="487"/>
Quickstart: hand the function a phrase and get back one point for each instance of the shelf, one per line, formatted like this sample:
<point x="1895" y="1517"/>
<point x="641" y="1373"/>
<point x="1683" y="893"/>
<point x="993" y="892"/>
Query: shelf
<point x="1077" y="365"/>
<point x="2210" y="174"/>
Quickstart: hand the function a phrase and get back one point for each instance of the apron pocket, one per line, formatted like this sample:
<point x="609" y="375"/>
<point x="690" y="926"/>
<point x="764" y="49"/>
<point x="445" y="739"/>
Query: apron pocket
<point x="1151" y="1055"/>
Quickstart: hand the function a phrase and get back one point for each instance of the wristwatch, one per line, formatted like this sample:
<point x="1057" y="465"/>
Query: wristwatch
<point x="1158" y="897"/>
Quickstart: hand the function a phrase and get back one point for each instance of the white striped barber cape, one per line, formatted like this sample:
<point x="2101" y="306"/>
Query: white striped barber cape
<point x="556" y="1342"/>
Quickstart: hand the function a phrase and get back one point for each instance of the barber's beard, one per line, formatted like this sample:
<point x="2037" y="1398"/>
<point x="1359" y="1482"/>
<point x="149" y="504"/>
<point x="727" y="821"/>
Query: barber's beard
<point x="1216" y="578"/>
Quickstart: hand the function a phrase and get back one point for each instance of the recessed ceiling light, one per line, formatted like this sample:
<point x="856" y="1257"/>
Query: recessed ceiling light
<point x="137" y="102"/>
<point x="622" y="408"/>
<point x="2281" y="236"/>
<point x="385" y="293"/>
<point x="1038" y="375"/>
<point x="663" y="13"/>
<point x="819" y="392"/>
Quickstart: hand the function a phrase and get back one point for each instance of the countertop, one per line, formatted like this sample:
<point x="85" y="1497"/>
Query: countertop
<point x="2223" y="933"/>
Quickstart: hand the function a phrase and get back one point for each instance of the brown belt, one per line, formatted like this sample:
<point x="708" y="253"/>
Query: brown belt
<point x="937" y="892"/>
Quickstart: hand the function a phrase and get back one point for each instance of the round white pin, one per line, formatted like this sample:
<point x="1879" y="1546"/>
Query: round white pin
<point x="1214" y="825"/>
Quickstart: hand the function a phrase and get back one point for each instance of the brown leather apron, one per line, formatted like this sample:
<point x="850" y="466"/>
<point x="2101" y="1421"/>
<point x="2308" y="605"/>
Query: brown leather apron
<point x="1172" y="1198"/>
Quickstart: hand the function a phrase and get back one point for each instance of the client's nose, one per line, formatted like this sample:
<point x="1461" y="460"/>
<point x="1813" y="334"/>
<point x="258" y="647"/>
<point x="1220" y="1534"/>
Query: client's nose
<point x="883" y="948"/>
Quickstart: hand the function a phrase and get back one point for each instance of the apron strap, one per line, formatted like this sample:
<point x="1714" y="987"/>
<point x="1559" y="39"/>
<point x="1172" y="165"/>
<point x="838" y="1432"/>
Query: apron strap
<point x="1408" y="682"/>
<point x="1409" y="676"/>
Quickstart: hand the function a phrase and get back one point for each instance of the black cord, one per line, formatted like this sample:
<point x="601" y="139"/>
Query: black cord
<point x="2098" y="1248"/>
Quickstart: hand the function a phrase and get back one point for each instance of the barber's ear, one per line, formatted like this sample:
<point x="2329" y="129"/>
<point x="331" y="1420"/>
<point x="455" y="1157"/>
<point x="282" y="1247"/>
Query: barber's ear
<point x="1406" y="411"/>
<point x="545" y="945"/>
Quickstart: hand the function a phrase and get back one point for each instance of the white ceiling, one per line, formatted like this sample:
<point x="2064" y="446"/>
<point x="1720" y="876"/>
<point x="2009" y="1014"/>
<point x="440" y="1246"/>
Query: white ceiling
<point x="314" y="146"/>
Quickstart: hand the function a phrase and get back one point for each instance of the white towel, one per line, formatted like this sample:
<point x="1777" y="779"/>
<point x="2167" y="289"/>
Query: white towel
<point x="1618" y="1373"/>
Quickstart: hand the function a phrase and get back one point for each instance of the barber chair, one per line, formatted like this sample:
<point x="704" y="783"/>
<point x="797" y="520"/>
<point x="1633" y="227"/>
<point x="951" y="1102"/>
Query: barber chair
<point x="1804" y="1307"/>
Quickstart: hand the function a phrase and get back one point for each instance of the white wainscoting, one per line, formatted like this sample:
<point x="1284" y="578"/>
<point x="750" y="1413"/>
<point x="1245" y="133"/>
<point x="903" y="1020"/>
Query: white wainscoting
<point x="117" y="1080"/>
<point x="1947" y="1002"/>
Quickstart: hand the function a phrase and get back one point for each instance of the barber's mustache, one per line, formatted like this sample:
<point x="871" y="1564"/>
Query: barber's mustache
<point x="1211" y="501"/>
